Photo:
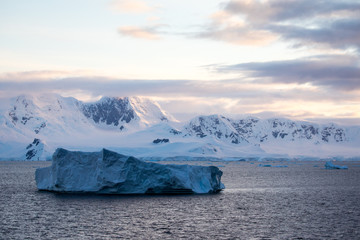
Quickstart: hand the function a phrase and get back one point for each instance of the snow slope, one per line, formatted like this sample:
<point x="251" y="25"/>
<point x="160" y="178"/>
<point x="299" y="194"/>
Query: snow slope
<point x="139" y="127"/>
<point x="280" y="136"/>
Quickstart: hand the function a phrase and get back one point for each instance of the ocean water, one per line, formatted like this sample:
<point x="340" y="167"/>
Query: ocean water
<point x="300" y="201"/>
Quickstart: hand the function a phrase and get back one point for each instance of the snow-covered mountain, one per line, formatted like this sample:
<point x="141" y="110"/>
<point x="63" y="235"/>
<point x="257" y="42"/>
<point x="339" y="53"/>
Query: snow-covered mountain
<point x="57" y="120"/>
<point x="257" y="131"/>
<point x="218" y="126"/>
<point x="296" y="138"/>
<point x="52" y="114"/>
<point x="119" y="112"/>
<point x="32" y="127"/>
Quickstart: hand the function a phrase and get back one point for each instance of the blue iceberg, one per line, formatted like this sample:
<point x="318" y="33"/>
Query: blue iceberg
<point x="108" y="172"/>
<point x="330" y="165"/>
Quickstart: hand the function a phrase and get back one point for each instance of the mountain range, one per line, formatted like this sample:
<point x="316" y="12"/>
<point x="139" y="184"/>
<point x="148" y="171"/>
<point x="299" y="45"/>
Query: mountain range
<point x="32" y="127"/>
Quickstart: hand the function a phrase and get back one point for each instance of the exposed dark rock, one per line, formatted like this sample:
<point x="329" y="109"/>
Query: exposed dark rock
<point x="325" y="133"/>
<point x="198" y="131"/>
<point x="158" y="140"/>
<point x="282" y="135"/>
<point x="175" y="132"/>
<point x="234" y="138"/>
<point x="34" y="150"/>
<point x="35" y="142"/>
<point x="24" y="119"/>
<point x="37" y="130"/>
<point x="13" y="116"/>
<point x="275" y="134"/>
<point x="275" y="124"/>
<point x="30" y="154"/>
<point x="339" y="135"/>
<point x="296" y="132"/>
<point x="111" y="111"/>
<point x="218" y="134"/>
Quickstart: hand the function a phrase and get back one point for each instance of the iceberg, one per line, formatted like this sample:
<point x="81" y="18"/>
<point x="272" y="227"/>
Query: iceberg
<point x="264" y="165"/>
<point x="269" y="165"/>
<point x="330" y="165"/>
<point x="108" y="172"/>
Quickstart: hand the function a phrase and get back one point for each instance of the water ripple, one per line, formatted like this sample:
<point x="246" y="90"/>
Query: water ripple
<point x="299" y="202"/>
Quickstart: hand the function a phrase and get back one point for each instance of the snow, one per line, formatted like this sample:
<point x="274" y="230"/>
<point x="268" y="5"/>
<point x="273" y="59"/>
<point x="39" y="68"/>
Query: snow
<point x="60" y="122"/>
<point x="149" y="111"/>
<point x="108" y="172"/>
<point x="331" y="165"/>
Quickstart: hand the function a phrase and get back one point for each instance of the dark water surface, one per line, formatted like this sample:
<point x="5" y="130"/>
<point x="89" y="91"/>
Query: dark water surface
<point x="301" y="201"/>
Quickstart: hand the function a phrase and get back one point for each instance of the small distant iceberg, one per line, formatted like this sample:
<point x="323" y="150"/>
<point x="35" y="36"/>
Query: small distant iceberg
<point x="108" y="172"/>
<point x="269" y="165"/>
<point x="330" y="165"/>
<point x="264" y="165"/>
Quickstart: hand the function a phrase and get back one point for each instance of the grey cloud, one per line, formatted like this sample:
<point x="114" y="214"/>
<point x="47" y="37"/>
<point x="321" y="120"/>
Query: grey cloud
<point x="94" y="85"/>
<point x="334" y="71"/>
<point x="186" y="97"/>
<point x="284" y="10"/>
<point x="231" y="89"/>
<point x="114" y="87"/>
<point x="335" y="24"/>
<point x="339" y="34"/>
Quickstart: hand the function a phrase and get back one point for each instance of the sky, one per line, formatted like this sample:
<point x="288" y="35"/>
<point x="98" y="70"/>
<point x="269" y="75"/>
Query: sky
<point x="294" y="59"/>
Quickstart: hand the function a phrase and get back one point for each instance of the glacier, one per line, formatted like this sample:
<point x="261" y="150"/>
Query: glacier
<point x="108" y="172"/>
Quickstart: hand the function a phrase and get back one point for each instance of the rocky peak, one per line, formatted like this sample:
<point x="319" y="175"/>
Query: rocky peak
<point x="111" y="111"/>
<point x="120" y="112"/>
<point x="34" y="150"/>
<point x="217" y="126"/>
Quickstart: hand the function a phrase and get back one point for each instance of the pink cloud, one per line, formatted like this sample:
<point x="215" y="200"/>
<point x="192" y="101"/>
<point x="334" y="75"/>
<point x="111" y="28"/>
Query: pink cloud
<point x="139" y="32"/>
<point x="130" y="6"/>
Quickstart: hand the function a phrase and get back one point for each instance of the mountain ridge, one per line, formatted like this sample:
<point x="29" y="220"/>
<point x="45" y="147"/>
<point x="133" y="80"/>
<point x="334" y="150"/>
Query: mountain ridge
<point x="134" y="123"/>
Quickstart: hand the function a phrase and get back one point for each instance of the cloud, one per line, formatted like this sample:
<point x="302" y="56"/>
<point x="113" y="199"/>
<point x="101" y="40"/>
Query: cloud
<point x="340" y="34"/>
<point x="137" y="7"/>
<point x="43" y="75"/>
<point x="130" y="6"/>
<point x="239" y="35"/>
<point x="149" y="33"/>
<point x="191" y="97"/>
<point x="18" y="83"/>
<point x="336" y="71"/>
<point x="260" y="12"/>
<point x="334" y="23"/>
<point x="227" y="27"/>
